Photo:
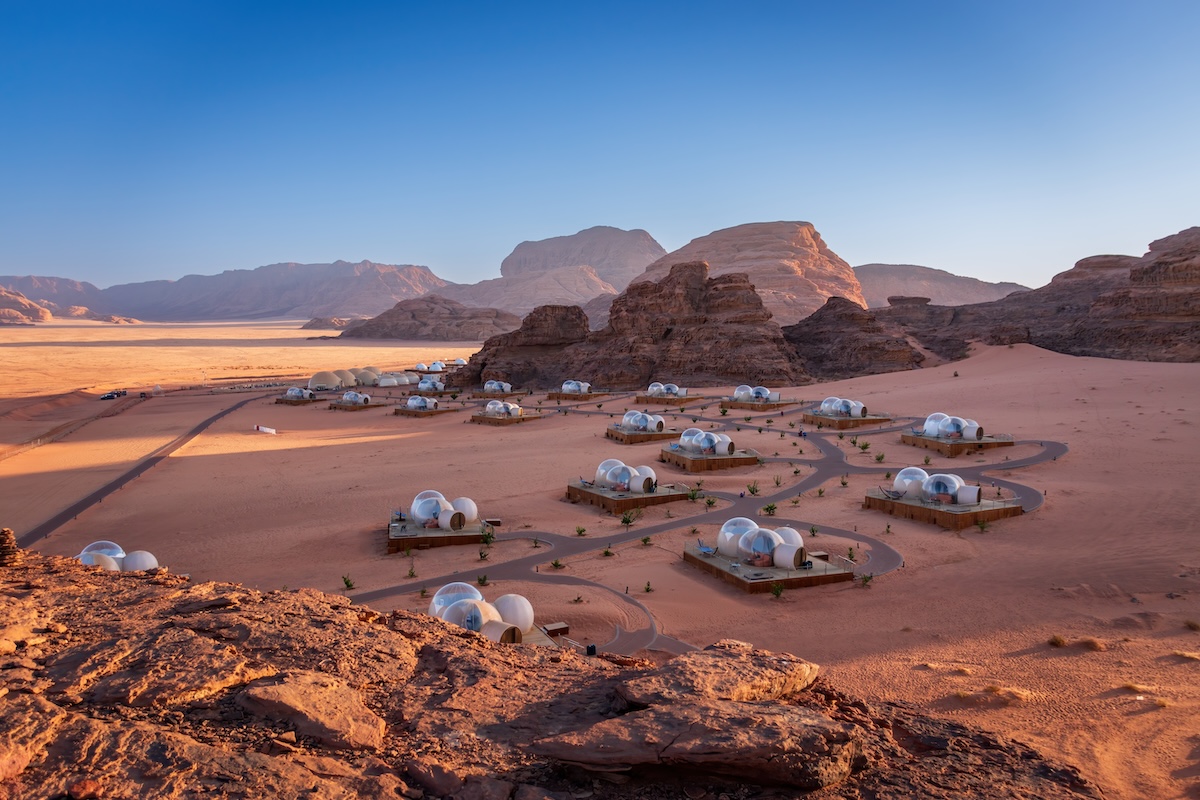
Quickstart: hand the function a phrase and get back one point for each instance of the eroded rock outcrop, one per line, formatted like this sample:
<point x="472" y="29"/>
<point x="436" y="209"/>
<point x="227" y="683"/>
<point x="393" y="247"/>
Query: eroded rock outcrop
<point x="142" y="684"/>
<point x="843" y="339"/>
<point x="332" y="323"/>
<point x="879" y="281"/>
<point x="17" y="309"/>
<point x="617" y="256"/>
<point x="1110" y="306"/>
<point x="522" y="293"/>
<point x="662" y="328"/>
<point x="434" y="318"/>
<point x="791" y="267"/>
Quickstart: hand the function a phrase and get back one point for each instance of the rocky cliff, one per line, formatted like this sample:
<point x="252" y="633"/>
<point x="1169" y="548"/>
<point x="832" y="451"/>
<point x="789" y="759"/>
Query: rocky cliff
<point x="17" y="309"/>
<point x="696" y="329"/>
<point x="617" y="256"/>
<point x="1109" y="306"/>
<point x="435" y="318"/>
<point x="791" y="267"/>
<point x="143" y="684"/>
<point x="276" y="290"/>
<point x="881" y="281"/>
<point x="843" y="340"/>
<point x="62" y="292"/>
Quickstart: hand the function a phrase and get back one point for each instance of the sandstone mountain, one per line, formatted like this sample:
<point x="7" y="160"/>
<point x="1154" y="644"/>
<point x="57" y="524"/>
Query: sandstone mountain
<point x="844" y="340"/>
<point x="17" y="309"/>
<point x="881" y="281"/>
<point x="791" y="267"/>
<point x="521" y="294"/>
<point x="435" y="318"/>
<point x="563" y="270"/>
<point x="617" y="256"/>
<point x="597" y="310"/>
<point x="1109" y="306"/>
<point x="276" y="290"/>
<point x="696" y="329"/>
<point x="143" y="684"/>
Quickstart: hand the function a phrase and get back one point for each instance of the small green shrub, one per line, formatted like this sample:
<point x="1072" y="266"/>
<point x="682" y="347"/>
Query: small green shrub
<point x="645" y="541"/>
<point x="346" y="582"/>
<point x="580" y="530"/>
<point x="769" y="509"/>
<point x="482" y="580"/>
<point x="557" y="564"/>
<point x="648" y="588"/>
<point x="777" y="590"/>
<point x="752" y="488"/>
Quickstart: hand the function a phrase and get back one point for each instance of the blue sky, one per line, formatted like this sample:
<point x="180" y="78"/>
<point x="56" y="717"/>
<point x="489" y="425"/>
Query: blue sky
<point x="1002" y="140"/>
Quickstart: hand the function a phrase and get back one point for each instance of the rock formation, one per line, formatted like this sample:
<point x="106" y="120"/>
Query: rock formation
<point x="790" y="266"/>
<point x="843" y="340"/>
<point x="616" y="256"/>
<point x="83" y="312"/>
<point x="521" y="294"/>
<point x="332" y="323"/>
<point x="278" y="290"/>
<point x="597" y="310"/>
<point x="880" y="281"/>
<point x="699" y="330"/>
<point x="17" y="309"/>
<point x="61" y="292"/>
<point x="1108" y="306"/>
<point x="435" y="318"/>
<point x="143" y="684"/>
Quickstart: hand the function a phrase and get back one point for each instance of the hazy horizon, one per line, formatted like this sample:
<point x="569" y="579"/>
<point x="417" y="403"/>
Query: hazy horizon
<point x="149" y="142"/>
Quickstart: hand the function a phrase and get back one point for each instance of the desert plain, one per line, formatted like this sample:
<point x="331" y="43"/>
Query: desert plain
<point x="1109" y="563"/>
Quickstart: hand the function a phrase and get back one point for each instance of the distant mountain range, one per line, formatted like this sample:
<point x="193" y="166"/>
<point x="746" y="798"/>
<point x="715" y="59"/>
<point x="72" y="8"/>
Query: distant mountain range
<point x="791" y="267"/>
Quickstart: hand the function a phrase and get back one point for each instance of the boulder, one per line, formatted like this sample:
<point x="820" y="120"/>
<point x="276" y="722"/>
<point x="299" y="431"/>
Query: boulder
<point x="316" y="705"/>
<point x="881" y="281"/>
<point x="844" y="340"/>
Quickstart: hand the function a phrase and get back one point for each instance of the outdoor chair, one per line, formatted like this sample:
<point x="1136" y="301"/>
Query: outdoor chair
<point x="704" y="549"/>
<point x="891" y="494"/>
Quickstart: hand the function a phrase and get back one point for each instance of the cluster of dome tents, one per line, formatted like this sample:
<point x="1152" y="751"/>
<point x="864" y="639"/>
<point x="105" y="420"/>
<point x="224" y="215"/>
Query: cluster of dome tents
<point x="639" y="421"/>
<point x="944" y="426"/>
<point x="741" y="538"/>
<point x="576" y="387"/>
<point x="463" y="605"/>
<point x="497" y="387"/>
<point x="841" y="407"/>
<point x="500" y="408"/>
<point x="657" y="389"/>
<point x="111" y="556"/>
<point x="431" y="509"/>
<point x="757" y="394"/>
<point x="329" y="380"/>
<point x="917" y="484"/>
<point x="618" y="476"/>
<point x="694" y="440"/>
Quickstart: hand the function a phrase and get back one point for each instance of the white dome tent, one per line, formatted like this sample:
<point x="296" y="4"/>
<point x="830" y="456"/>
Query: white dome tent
<point x="460" y="362"/>
<point x="575" y="387"/>
<point x="324" y="381"/>
<point x="638" y="422"/>
<point x="112" y="557"/>
<point x="430" y="385"/>
<point x="744" y="540"/>
<point x="945" y="426"/>
<point x="842" y="407"/>
<point x="499" y="408"/>
<point x="617" y="476"/>
<point x="431" y="509"/>
<point x="697" y="442"/>
<point x="507" y="620"/>
<point x="657" y="389"/>
<point x="422" y="403"/>
<point x="297" y="393"/>
<point x="355" y="399"/>
<point x="497" y="387"/>
<point x="348" y="378"/>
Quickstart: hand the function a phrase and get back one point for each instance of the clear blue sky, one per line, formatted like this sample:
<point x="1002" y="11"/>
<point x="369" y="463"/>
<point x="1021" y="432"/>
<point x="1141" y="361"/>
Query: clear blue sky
<point x="1002" y="140"/>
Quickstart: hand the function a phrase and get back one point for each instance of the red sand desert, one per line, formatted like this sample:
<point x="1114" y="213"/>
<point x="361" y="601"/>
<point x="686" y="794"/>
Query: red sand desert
<point x="1110" y="562"/>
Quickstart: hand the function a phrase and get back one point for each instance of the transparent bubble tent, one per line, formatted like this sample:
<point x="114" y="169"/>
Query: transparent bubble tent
<point x="841" y="407"/>
<point x="617" y="476"/>
<point x="638" y="421"/>
<point x="657" y="389"/>
<point x="575" y="387"/>
<point x="431" y="509"/>
<point x="944" y="426"/>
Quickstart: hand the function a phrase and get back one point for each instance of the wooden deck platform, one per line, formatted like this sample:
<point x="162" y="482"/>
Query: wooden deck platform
<point x="666" y="400"/>
<point x="620" y="502"/>
<point x="764" y="406"/>
<point x="354" y="406"/>
<point x="760" y="580"/>
<point x="842" y="423"/>
<point x="579" y="397"/>
<point x="432" y="393"/>
<point x="291" y="401"/>
<point x="952" y="517"/>
<point x="496" y="395"/>
<point x="419" y="412"/>
<point x="694" y="462"/>
<point x="402" y="535"/>
<point x="638" y="437"/>
<point x="484" y="419"/>
<point x="954" y="447"/>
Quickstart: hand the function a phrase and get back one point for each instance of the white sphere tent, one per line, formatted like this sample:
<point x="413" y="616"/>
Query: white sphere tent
<point x="756" y="394"/>
<point x="506" y="620"/>
<point x="698" y="442"/>
<point x="615" y="475"/>
<point x="497" y="387"/>
<point x="842" y="407"/>
<point x="499" y="408"/>
<point x="299" y="393"/>
<point x="422" y="403"/>
<point x="943" y="426"/>
<point x="430" y="385"/>
<point x="575" y="387"/>
<point x="112" y="557"/>
<point x="914" y="483"/>
<point x="638" y="421"/>
<point x="355" y="399"/>
<point x="431" y="509"/>
<point x="743" y="539"/>
<point x="657" y="389"/>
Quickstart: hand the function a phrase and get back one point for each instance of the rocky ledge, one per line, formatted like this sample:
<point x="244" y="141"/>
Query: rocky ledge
<point x="434" y="318"/>
<point x="146" y="685"/>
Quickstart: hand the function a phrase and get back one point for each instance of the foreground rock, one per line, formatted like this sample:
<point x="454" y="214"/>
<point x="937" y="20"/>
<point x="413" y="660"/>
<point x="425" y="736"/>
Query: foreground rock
<point x="434" y="318"/>
<point x="144" y="685"/>
<point x="654" y="329"/>
<point x="791" y="267"/>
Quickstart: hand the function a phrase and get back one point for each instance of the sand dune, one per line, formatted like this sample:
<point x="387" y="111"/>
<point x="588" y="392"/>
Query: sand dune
<point x="960" y="630"/>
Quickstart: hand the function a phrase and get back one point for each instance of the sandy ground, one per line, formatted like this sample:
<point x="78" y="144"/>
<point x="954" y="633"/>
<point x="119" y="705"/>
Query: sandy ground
<point x="1111" y="562"/>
